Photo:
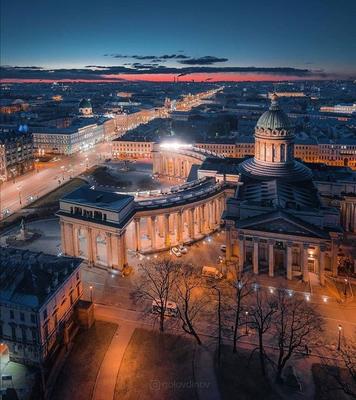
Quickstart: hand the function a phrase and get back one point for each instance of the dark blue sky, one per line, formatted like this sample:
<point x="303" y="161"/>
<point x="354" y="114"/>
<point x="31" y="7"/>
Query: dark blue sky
<point x="313" y="34"/>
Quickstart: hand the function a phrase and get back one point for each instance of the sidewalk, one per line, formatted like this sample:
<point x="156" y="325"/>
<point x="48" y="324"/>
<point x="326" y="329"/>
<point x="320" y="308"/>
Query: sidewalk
<point x="106" y="380"/>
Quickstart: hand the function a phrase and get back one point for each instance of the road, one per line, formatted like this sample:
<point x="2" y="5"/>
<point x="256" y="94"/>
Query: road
<point x="16" y="195"/>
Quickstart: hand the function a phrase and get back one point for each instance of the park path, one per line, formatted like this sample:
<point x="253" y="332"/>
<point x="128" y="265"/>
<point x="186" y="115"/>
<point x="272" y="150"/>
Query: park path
<point x="106" y="380"/>
<point x="205" y="379"/>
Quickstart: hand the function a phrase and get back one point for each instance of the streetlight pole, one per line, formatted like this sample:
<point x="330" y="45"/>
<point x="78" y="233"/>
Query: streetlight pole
<point x="246" y="331"/>
<point x="20" y="200"/>
<point x="345" y="286"/>
<point x="339" y="339"/>
<point x="91" y="293"/>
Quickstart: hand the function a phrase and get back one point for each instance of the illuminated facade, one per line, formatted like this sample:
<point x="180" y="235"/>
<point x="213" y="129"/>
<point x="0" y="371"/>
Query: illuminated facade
<point x="37" y="307"/>
<point x="16" y="153"/>
<point x="67" y="140"/>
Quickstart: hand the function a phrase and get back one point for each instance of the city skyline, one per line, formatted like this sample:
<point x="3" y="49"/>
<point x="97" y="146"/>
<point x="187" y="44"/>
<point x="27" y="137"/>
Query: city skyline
<point x="200" y="41"/>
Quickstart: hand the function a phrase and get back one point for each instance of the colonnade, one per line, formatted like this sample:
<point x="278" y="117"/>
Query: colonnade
<point x="173" y="166"/>
<point x="296" y="257"/>
<point x="179" y="226"/>
<point x="95" y="245"/>
<point x="348" y="214"/>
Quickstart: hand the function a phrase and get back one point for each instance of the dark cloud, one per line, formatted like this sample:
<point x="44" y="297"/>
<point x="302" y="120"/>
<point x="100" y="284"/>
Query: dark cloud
<point x="206" y="60"/>
<point x="98" y="71"/>
<point x="145" y="57"/>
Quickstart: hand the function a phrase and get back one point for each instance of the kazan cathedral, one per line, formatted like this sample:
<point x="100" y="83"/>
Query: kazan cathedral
<point x="282" y="217"/>
<point x="275" y="222"/>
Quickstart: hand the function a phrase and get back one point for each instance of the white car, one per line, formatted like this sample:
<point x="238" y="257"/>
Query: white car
<point x="176" y="252"/>
<point x="182" y="249"/>
<point x="223" y="248"/>
<point x="211" y="272"/>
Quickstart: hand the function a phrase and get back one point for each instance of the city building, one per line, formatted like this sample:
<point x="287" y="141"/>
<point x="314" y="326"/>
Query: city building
<point x="38" y="294"/>
<point x="127" y="149"/>
<point x="16" y="152"/>
<point x="85" y="108"/>
<point x="81" y="135"/>
<point x="339" y="109"/>
<point x="275" y="222"/>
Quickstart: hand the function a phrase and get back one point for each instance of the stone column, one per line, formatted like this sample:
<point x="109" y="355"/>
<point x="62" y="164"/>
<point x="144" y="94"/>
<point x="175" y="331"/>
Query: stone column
<point x="205" y="218"/>
<point x="75" y="241"/>
<point x="199" y="219"/>
<point x="63" y="243"/>
<point x="270" y="258"/>
<point x="167" y="238"/>
<point x="108" y="249"/>
<point x="191" y="223"/>
<point x="255" y="255"/>
<point x="149" y="228"/>
<point x="122" y="246"/>
<point x="305" y="262"/>
<point x="241" y="253"/>
<point x="179" y="227"/>
<point x="90" y="246"/>
<point x="137" y="234"/>
<point x="153" y="237"/>
<point x="334" y="249"/>
<point x="322" y="265"/>
<point x="289" y="261"/>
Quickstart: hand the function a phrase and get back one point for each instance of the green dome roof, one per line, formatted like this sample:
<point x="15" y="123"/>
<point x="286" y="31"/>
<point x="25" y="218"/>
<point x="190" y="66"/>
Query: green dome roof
<point x="274" y="118"/>
<point x="84" y="103"/>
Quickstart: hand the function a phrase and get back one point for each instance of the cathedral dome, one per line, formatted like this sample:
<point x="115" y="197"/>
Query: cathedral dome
<point x="84" y="103"/>
<point x="274" y="149"/>
<point x="274" y="118"/>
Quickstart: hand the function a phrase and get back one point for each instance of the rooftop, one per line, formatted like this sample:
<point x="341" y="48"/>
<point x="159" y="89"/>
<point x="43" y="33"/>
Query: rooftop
<point x="98" y="199"/>
<point x="29" y="278"/>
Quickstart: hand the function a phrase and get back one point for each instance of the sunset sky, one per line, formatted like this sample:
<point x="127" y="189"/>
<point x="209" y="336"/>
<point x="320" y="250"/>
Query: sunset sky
<point x="154" y="40"/>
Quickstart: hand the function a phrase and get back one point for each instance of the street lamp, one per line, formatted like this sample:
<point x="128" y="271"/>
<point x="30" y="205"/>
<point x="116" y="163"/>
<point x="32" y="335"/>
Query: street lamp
<point x="246" y="315"/>
<point x="19" y="189"/>
<point x="345" y="286"/>
<point x="91" y="293"/>
<point x="339" y="339"/>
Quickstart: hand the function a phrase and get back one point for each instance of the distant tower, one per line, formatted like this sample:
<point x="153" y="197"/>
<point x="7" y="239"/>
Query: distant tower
<point x="85" y="108"/>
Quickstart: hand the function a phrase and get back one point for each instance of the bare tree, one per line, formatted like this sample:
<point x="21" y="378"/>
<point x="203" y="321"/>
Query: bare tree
<point x="191" y="299"/>
<point x="263" y="309"/>
<point x="242" y="288"/>
<point x="156" y="285"/>
<point x="342" y="377"/>
<point x="296" y="323"/>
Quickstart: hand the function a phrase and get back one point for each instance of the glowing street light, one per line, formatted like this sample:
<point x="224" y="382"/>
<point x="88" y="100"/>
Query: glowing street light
<point x="345" y="286"/>
<point x="246" y="316"/>
<point x="91" y="293"/>
<point x="339" y="338"/>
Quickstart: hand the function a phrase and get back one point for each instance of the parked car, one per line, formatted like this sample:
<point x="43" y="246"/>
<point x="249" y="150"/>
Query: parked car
<point x="170" y="311"/>
<point x="211" y="272"/>
<point x="176" y="252"/>
<point x="182" y="249"/>
<point x="6" y="212"/>
<point x="223" y="248"/>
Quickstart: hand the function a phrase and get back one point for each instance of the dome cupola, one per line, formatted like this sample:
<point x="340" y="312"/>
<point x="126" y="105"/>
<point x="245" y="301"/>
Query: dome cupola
<point x="274" y="147"/>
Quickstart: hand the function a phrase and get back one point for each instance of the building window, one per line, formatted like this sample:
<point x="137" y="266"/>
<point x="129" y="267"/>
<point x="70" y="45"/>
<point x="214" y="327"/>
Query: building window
<point x="22" y="316"/>
<point x="33" y="318"/>
<point x="12" y="315"/>
<point x="45" y="315"/>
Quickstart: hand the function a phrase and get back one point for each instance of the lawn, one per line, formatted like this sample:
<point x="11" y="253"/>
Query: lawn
<point x="325" y="384"/>
<point x="156" y="366"/>
<point x="77" y="378"/>
<point x="52" y="198"/>
<point x="239" y="379"/>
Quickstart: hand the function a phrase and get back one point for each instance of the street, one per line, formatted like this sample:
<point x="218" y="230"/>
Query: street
<point x="16" y="195"/>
